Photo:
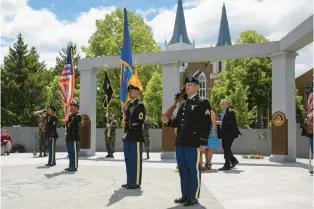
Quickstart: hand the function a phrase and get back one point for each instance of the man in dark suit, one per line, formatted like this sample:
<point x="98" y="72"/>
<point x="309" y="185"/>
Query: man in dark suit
<point x="227" y="131"/>
<point x="193" y="127"/>
<point x="133" y="138"/>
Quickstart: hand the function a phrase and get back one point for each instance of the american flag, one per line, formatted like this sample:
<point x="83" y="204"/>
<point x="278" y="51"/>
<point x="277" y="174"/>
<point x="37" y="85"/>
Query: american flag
<point x="67" y="81"/>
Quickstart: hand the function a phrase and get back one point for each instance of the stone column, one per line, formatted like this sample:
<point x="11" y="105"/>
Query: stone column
<point x="171" y="85"/>
<point x="88" y="89"/>
<point x="283" y="99"/>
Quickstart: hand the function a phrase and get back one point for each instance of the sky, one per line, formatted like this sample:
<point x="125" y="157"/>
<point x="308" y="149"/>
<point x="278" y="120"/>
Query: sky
<point x="50" y="24"/>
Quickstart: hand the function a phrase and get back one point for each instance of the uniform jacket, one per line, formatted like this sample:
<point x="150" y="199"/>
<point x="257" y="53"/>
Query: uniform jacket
<point x="113" y="126"/>
<point x="192" y="122"/>
<point x="229" y="128"/>
<point x="146" y="129"/>
<point x="51" y="127"/>
<point x="41" y="123"/>
<point x="135" y="117"/>
<point x="73" y="127"/>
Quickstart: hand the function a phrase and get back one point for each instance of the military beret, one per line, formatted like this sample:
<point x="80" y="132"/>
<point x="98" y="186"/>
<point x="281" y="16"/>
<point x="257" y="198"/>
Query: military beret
<point x="52" y="108"/>
<point x="191" y="79"/>
<point x="131" y="87"/>
<point x="76" y="104"/>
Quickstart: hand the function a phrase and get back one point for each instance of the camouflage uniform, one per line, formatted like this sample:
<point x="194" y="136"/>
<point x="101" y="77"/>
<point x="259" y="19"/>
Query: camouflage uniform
<point x="42" y="144"/>
<point x="111" y="140"/>
<point x="146" y="136"/>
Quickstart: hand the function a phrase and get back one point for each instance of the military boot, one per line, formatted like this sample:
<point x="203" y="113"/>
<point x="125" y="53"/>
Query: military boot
<point x="45" y="154"/>
<point x="109" y="155"/>
<point x="40" y="154"/>
<point x="112" y="155"/>
<point x="147" y="154"/>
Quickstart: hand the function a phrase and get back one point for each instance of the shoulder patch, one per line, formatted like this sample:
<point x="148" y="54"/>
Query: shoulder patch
<point x="141" y="116"/>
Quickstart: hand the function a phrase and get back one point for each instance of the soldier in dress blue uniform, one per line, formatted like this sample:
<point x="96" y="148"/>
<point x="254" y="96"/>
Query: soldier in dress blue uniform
<point x="133" y="138"/>
<point x="193" y="127"/>
<point x="51" y="134"/>
<point x="73" y="136"/>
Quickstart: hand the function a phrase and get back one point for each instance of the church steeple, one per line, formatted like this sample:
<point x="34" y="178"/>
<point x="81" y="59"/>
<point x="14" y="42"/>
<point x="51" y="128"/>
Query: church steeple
<point x="224" y="33"/>
<point x="180" y="34"/>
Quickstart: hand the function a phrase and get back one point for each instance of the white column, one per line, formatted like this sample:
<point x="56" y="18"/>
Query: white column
<point x="88" y="89"/>
<point x="283" y="98"/>
<point x="171" y="86"/>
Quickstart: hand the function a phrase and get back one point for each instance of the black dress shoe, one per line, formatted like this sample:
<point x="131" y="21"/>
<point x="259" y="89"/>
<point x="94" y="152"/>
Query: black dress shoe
<point x="234" y="163"/>
<point x="180" y="200"/>
<point x="124" y="185"/>
<point x="66" y="169"/>
<point x="53" y="164"/>
<point x="224" y="168"/>
<point x="190" y="201"/>
<point x="72" y="169"/>
<point x="133" y="186"/>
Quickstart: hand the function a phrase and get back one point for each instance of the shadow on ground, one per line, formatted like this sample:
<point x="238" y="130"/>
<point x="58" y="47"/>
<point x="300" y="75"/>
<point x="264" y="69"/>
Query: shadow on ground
<point x="122" y="193"/>
<point x="43" y="167"/>
<point x="198" y="206"/>
<point x="49" y="176"/>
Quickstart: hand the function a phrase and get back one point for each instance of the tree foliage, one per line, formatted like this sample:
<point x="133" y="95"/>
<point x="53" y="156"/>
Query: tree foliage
<point x="153" y="97"/>
<point x="22" y="84"/>
<point x="107" y="41"/>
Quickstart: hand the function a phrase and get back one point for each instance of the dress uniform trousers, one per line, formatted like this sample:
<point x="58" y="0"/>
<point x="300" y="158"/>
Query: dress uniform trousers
<point x="188" y="159"/>
<point x="73" y="149"/>
<point x="52" y="151"/>
<point x="133" y="162"/>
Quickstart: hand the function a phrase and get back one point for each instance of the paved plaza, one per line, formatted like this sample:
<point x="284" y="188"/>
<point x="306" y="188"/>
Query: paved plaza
<point x="254" y="184"/>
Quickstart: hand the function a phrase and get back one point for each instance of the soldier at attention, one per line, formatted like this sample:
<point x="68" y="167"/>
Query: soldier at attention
<point x="42" y="145"/>
<point x="73" y="136"/>
<point x="193" y="127"/>
<point x="51" y="134"/>
<point x="110" y="135"/>
<point x="146" y="136"/>
<point x="133" y="138"/>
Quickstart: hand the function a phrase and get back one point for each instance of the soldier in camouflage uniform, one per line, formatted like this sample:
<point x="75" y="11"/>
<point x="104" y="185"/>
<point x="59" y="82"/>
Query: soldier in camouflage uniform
<point x="42" y="144"/>
<point x="110" y="135"/>
<point x="146" y="136"/>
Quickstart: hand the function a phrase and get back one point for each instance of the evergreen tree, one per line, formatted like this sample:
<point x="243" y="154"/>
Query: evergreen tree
<point x="22" y="85"/>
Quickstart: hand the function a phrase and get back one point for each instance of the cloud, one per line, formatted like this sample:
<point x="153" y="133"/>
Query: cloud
<point x="268" y="17"/>
<point x="42" y="29"/>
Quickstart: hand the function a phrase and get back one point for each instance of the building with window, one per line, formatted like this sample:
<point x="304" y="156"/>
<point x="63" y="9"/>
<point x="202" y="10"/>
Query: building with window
<point x="180" y="40"/>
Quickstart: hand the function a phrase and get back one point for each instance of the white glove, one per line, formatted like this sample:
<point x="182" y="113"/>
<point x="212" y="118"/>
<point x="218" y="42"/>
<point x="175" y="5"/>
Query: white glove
<point x="108" y="125"/>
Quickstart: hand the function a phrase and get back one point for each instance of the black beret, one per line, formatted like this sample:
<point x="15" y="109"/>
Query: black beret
<point x="131" y="87"/>
<point x="76" y="104"/>
<point x="52" y="108"/>
<point x="191" y="79"/>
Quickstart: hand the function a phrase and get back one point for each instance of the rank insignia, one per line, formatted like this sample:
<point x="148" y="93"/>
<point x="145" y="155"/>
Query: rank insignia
<point x="141" y="116"/>
<point x="207" y="112"/>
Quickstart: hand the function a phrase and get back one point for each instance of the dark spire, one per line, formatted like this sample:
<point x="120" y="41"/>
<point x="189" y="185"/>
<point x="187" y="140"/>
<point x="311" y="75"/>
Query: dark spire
<point x="224" y="33"/>
<point x="179" y="32"/>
